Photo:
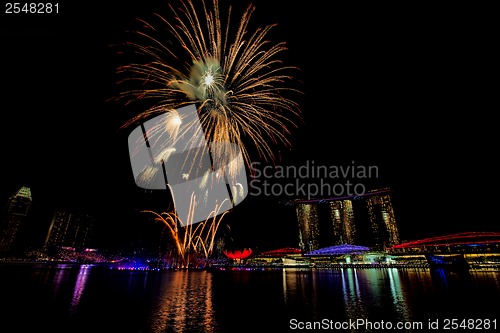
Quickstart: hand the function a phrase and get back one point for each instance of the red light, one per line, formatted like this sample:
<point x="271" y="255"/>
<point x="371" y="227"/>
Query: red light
<point x="238" y="254"/>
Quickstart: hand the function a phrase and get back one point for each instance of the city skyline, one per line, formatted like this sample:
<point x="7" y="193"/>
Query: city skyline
<point x="75" y="228"/>
<point x="368" y="144"/>
<point x="376" y="101"/>
<point x="367" y="220"/>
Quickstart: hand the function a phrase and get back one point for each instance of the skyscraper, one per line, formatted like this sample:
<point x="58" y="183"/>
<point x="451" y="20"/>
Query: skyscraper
<point x="382" y="220"/>
<point x="366" y="220"/>
<point x="17" y="209"/>
<point x="307" y="215"/>
<point x="342" y="218"/>
<point x="69" y="230"/>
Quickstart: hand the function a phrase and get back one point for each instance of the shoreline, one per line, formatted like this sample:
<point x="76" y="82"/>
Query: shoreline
<point x="116" y="265"/>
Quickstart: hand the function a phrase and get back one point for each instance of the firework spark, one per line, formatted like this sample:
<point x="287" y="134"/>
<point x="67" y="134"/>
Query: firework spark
<point x="235" y="78"/>
<point x="192" y="241"/>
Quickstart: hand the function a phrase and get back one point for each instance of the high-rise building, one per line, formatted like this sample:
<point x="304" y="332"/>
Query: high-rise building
<point x="69" y="230"/>
<point x="17" y="209"/>
<point x="366" y="220"/>
<point x="342" y="218"/>
<point x="307" y="216"/>
<point x="382" y="220"/>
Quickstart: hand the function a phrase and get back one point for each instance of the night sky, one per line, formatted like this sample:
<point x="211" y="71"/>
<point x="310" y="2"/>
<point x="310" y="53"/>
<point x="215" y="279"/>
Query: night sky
<point x="407" y="88"/>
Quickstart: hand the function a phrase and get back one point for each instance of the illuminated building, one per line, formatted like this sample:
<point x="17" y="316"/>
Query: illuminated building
<point x="382" y="220"/>
<point x="238" y="254"/>
<point x="17" y="209"/>
<point x="279" y="253"/>
<point x="366" y="219"/>
<point x="307" y="215"/>
<point x="345" y="249"/>
<point x="288" y="256"/>
<point x="69" y="230"/>
<point x="342" y="218"/>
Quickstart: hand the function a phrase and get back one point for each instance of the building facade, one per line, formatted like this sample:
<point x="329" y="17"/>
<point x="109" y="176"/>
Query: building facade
<point x="382" y="220"/>
<point x="16" y="212"/>
<point x="367" y="220"/>
<point x="69" y="230"/>
<point x="343" y="223"/>
<point x="307" y="216"/>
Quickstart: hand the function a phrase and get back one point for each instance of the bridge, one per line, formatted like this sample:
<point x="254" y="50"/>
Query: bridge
<point x="464" y="242"/>
<point x="459" y="249"/>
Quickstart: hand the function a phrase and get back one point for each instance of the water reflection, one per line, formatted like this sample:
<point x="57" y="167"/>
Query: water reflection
<point x="82" y="298"/>
<point x="80" y="283"/>
<point x="399" y="295"/>
<point x="354" y="306"/>
<point x="449" y="280"/>
<point x="297" y="289"/>
<point x="349" y="293"/>
<point x="489" y="278"/>
<point x="184" y="303"/>
<point x="61" y="276"/>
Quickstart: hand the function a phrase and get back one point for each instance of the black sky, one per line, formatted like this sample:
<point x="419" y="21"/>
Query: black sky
<point x="408" y="88"/>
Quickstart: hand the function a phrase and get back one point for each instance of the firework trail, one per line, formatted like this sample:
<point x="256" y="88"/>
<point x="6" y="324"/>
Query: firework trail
<point x="192" y="241"/>
<point x="235" y="78"/>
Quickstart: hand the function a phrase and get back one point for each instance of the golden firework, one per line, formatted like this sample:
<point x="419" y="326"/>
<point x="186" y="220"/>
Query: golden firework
<point x="235" y="78"/>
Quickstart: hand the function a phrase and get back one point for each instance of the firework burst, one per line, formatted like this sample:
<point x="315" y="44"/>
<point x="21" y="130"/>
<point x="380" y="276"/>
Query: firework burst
<point x="192" y="241"/>
<point x="235" y="78"/>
